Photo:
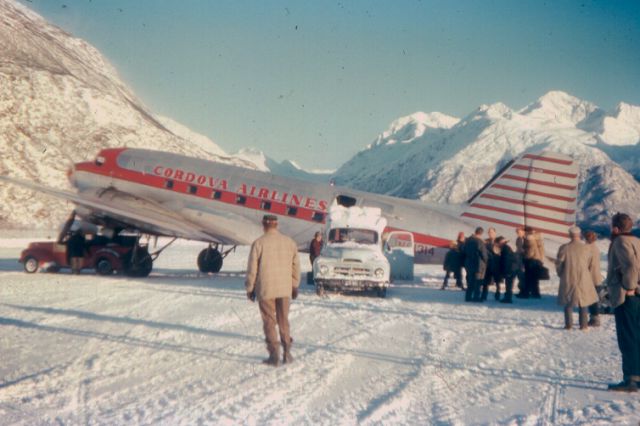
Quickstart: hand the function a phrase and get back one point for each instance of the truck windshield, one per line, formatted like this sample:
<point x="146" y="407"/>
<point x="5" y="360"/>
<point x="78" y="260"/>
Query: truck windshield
<point x="360" y="236"/>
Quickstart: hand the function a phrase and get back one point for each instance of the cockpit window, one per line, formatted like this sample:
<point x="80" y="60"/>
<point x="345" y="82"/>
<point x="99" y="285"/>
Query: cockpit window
<point x="360" y="236"/>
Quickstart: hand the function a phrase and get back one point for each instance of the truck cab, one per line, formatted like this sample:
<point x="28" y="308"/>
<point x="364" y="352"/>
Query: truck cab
<point x="353" y="258"/>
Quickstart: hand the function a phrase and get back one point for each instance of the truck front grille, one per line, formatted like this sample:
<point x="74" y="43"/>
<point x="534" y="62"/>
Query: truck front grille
<point x="352" y="271"/>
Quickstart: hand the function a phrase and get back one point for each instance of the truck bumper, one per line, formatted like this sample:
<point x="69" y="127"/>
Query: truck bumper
<point x="351" y="285"/>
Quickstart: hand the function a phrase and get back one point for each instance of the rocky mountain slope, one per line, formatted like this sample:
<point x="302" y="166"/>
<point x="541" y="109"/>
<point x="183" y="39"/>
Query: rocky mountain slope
<point x="61" y="102"/>
<point x="448" y="160"/>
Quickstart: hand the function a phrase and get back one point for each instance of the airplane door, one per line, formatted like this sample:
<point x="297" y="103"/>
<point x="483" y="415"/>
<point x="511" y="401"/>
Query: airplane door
<point x="399" y="250"/>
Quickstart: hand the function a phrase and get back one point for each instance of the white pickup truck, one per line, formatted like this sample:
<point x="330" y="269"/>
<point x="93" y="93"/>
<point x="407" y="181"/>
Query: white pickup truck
<point x="353" y="258"/>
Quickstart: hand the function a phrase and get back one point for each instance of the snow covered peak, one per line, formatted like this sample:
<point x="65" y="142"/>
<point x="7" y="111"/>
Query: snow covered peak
<point x="411" y="127"/>
<point x="628" y="113"/>
<point x="494" y="111"/>
<point x="285" y="168"/>
<point x="255" y="156"/>
<point x="559" y="107"/>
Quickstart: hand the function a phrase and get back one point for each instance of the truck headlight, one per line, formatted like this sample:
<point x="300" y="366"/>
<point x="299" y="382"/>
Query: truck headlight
<point x="323" y="269"/>
<point x="379" y="273"/>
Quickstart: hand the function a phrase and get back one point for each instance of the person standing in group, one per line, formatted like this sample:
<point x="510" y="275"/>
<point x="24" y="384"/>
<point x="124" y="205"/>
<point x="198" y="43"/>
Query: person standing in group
<point x="623" y="273"/>
<point x="273" y="276"/>
<point x="475" y="263"/>
<point x="492" y="275"/>
<point x="520" y="236"/>
<point x="596" y="276"/>
<point x="508" y="267"/>
<point x="574" y="263"/>
<point x="452" y="264"/>
<point x="75" y="251"/>
<point x="533" y="262"/>
<point x="460" y="242"/>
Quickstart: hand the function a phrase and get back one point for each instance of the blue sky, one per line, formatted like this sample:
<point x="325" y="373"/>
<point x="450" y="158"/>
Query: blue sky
<point x="316" y="81"/>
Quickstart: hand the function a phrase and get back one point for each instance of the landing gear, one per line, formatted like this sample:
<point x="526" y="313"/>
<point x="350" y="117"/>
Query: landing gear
<point x="138" y="262"/>
<point x="210" y="260"/>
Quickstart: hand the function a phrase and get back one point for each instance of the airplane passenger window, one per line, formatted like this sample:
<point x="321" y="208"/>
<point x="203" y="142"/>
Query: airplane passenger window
<point x="217" y="195"/>
<point x="318" y="217"/>
<point x="292" y="211"/>
<point x="193" y="189"/>
<point x="168" y="184"/>
<point x="346" y="201"/>
<point x="241" y="199"/>
<point x="265" y="205"/>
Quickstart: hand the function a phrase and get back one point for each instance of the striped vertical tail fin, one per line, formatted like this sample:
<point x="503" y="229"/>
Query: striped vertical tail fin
<point x="538" y="190"/>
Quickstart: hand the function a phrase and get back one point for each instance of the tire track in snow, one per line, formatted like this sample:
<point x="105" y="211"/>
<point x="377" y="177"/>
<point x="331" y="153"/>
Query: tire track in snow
<point x="316" y="354"/>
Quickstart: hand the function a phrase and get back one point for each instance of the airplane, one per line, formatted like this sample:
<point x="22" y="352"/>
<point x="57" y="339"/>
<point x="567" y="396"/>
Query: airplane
<point x="165" y="194"/>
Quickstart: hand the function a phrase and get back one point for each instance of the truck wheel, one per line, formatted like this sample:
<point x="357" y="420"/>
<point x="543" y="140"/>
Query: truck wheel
<point x="382" y="292"/>
<point x="104" y="267"/>
<point x="319" y="289"/>
<point x="31" y="265"/>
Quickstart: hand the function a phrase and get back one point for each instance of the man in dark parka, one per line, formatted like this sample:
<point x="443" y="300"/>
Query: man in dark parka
<point x="475" y="263"/>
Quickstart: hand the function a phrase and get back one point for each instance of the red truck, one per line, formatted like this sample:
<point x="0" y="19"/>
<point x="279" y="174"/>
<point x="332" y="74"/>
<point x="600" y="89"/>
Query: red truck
<point x="105" y="255"/>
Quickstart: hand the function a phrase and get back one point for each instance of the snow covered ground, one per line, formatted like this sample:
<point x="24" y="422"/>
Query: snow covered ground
<point x="183" y="348"/>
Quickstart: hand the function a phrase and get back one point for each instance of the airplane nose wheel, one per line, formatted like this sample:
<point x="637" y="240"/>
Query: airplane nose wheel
<point x="210" y="260"/>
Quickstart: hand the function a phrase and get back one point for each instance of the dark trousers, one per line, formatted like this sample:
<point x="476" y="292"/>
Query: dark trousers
<point x="508" y="283"/>
<point x="457" y="274"/>
<point x="473" y="288"/>
<point x="627" y="318"/>
<point x="531" y="280"/>
<point x="275" y="311"/>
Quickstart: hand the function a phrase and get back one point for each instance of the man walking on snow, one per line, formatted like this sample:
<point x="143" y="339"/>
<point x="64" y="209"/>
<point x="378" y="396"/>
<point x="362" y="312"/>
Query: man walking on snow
<point x="273" y="276"/>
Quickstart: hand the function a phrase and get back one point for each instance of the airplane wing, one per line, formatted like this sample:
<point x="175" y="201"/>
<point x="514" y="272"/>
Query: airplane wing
<point x="116" y="208"/>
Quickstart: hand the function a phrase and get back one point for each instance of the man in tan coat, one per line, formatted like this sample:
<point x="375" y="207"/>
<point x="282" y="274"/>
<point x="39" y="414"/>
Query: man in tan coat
<point x="533" y="247"/>
<point x="623" y="273"/>
<point x="273" y="276"/>
<point x="591" y="239"/>
<point x="574" y="264"/>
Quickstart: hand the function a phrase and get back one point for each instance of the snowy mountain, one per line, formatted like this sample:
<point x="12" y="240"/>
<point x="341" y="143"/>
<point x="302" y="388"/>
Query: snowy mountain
<point x="61" y="102"/>
<point x="450" y="162"/>
<point x="286" y="168"/>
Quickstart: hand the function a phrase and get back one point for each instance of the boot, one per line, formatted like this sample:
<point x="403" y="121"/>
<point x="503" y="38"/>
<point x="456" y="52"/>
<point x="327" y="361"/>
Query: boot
<point x="274" y="357"/>
<point x="583" y="318"/>
<point x="286" y="356"/>
<point x="568" y="317"/>
<point x="594" y="321"/>
<point x="627" y="385"/>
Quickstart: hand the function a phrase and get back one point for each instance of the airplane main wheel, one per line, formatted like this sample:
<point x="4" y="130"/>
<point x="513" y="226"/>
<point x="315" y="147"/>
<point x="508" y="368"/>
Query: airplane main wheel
<point x="31" y="265"/>
<point x="140" y="266"/>
<point x="210" y="260"/>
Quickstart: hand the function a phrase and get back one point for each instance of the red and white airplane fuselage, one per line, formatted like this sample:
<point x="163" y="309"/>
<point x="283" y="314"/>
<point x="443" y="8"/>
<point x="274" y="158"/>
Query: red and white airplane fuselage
<point x="165" y="194"/>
